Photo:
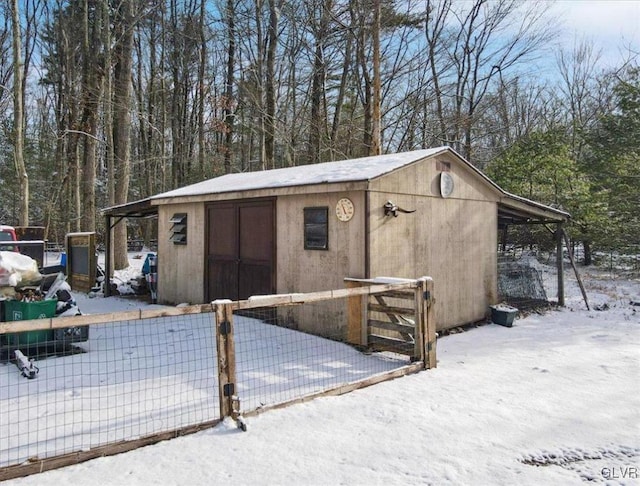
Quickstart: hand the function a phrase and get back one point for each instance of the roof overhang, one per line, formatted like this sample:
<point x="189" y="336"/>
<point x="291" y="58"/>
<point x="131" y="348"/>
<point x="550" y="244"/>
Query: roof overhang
<point x="514" y="209"/>
<point x="135" y="209"/>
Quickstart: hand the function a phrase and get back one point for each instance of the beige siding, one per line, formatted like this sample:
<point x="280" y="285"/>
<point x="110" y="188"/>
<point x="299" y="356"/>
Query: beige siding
<point x="452" y="240"/>
<point x="181" y="267"/>
<point x="423" y="178"/>
<point x="342" y="187"/>
<point x="300" y="270"/>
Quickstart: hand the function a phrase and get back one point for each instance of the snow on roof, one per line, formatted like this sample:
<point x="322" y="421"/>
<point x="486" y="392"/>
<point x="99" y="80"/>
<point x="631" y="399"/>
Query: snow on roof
<point x="361" y="169"/>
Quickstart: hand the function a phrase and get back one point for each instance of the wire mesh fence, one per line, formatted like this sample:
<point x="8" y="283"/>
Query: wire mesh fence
<point x="132" y="378"/>
<point x="528" y="264"/>
<point x="622" y="261"/>
<point x="277" y="364"/>
<point x="527" y="279"/>
<point x="281" y="349"/>
<point x="151" y="375"/>
<point x="527" y="267"/>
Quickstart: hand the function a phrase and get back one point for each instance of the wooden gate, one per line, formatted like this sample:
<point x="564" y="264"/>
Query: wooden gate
<point x="391" y="325"/>
<point x="396" y="320"/>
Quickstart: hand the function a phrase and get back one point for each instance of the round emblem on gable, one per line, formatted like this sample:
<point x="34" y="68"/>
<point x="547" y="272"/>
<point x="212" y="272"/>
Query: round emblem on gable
<point x="446" y="184"/>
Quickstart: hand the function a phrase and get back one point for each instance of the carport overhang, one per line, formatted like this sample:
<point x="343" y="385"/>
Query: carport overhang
<point x="516" y="210"/>
<point x="114" y="215"/>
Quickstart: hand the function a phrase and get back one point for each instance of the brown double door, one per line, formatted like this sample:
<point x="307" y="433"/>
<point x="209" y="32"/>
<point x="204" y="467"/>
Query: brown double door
<point x="240" y="249"/>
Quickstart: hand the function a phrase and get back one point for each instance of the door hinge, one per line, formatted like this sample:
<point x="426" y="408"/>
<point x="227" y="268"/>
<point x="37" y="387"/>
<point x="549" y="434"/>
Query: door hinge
<point x="229" y="389"/>
<point x="225" y="328"/>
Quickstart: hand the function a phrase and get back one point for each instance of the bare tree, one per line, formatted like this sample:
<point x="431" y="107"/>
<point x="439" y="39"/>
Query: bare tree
<point x="123" y="59"/>
<point x="468" y="48"/>
<point x="183" y="61"/>
<point x="202" y="85"/>
<point x="317" y="121"/>
<point x="270" y="84"/>
<point x="93" y="72"/>
<point x="18" y="117"/>
<point x="578" y="71"/>
<point x="6" y="65"/>
<point x="228" y="112"/>
<point x="376" y="142"/>
<point x="150" y="94"/>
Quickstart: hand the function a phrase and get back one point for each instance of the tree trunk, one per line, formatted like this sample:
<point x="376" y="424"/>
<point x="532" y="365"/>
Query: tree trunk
<point x="202" y="90"/>
<point x="318" y="118"/>
<point x="108" y="122"/>
<point x="123" y="51"/>
<point x="376" y="142"/>
<point x="588" y="259"/>
<point x="18" y="118"/>
<point x="270" y="89"/>
<point x="347" y="66"/>
<point x="92" y="82"/>
<point x="366" y="83"/>
<point x="227" y="111"/>
<point x="259" y="86"/>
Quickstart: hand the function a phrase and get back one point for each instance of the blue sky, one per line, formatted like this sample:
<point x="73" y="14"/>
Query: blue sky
<point x="611" y="25"/>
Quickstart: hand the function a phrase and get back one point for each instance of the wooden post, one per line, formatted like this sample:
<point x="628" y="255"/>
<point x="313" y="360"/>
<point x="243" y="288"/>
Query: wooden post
<point x="505" y="234"/>
<point x="428" y="322"/>
<point x="419" y="352"/>
<point x="357" y="322"/>
<point x="560" y="264"/>
<point x="575" y="269"/>
<point x="226" y="358"/>
<point x="106" y="285"/>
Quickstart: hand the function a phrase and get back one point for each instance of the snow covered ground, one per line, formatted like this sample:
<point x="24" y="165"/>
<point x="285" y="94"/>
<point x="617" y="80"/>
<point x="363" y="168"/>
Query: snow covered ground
<point x="552" y="400"/>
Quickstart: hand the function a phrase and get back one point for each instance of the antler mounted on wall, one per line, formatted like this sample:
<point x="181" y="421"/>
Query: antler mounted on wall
<point x="391" y="209"/>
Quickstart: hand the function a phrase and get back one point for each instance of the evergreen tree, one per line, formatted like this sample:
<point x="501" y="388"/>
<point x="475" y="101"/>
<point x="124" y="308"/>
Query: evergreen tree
<point x="614" y="159"/>
<point x="540" y="167"/>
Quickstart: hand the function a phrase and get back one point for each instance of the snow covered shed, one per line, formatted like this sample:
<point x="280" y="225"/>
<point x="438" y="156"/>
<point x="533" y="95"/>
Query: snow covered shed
<point x="306" y="228"/>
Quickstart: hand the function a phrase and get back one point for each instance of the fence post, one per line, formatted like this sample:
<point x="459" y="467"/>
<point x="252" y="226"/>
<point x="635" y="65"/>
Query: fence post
<point x="420" y="328"/>
<point x="226" y="358"/>
<point x="357" y="318"/>
<point x="427" y="322"/>
<point x="560" y="264"/>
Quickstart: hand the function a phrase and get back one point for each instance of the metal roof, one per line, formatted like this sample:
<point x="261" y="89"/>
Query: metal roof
<point x="512" y="209"/>
<point x="352" y="170"/>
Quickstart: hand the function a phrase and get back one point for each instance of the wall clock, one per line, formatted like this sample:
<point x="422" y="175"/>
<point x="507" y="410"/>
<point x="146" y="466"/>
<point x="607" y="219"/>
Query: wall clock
<point x="344" y="209"/>
<point x="446" y="184"/>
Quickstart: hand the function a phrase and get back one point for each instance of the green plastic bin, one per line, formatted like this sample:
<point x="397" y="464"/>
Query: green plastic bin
<point x="25" y="311"/>
<point x="503" y="315"/>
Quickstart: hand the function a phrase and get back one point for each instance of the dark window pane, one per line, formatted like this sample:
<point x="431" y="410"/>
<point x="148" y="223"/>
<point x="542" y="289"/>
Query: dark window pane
<point x="316" y="228"/>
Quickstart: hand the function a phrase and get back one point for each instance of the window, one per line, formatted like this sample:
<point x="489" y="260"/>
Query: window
<point x="179" y="229"/>
<point x="316" y="228"/>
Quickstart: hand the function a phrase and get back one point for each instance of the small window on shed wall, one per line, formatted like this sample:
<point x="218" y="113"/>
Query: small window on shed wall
<point x="316" y="228"/>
